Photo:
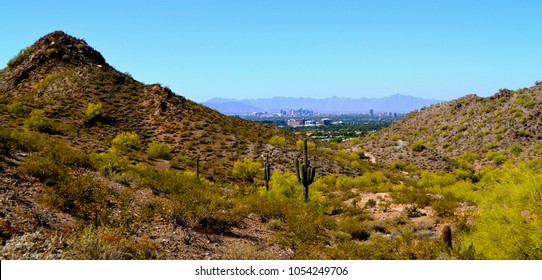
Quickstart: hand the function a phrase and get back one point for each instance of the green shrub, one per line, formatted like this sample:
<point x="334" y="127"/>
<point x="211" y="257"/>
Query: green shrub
<point x="20" y="56"/>
<point x="159" y="150"/>
<point x="399" y="165"/>
<point x="444" y="207"/>
<point x="18" y="108"/>
<point x="47" y="80"/>
<point x="29" y="141"/>
<point x="44" y="168"/>
<point x="6" y="141"/>
<point x="417" y="146"/>
<point x="181" y="161"/>
<point x="81" y="196"/>
<point x="492" y="145"/>
<point x="109" y="163"/>
<point x="516" y="149"/>
<point x="496" y="157"/>
<point x="523" y="133"/>
<point x="126" y="141"/>
<point x="38" y="122"/>
<point x="469" y="157"/>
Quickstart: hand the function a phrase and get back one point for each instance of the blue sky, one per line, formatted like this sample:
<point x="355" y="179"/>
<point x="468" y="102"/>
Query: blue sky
<point x="255" y="48"/>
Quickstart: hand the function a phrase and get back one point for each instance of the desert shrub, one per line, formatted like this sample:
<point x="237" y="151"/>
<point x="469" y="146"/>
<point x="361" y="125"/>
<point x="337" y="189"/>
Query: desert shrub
<point x="417" y="146"/>
<point x="54" y="161"/>
<point x="18" y="108"/>
<point x="246" y="169"/>
<point x="370" y="203"/>
<point x="43" y="83"/>
<point x="20" y="56"/>
<point x="277" y="141"/>
<point x="82" y="196"/>
<point x="444" y="207"/>
<point x="416" y="196"/>
<point x="303" y="232"/>
<point x="29" y="141"/>
<point x="496" y="157"/>
<point x="492" y="145"/>
<point x="126" y="141"/>
<point x="437" y="179"/>
<point x="93" y="112"/>
<point x="523" y="133"/>
<point x="399" y="165"/>
<point x="516" y="149"/>
<point x="182" y="160"/>
<point x="355" y="228"/>
<point x="38" y="122"/>
<point x="469" y="157"/>
<point x="111" y="162"/>
<point x="275" y="224"/>
<point x="159" y="150"/>
<point x="6" y="141"/>
<point x="507" y="224"/>
<point x="194" y="206"/>
<point x="102" y="243"/>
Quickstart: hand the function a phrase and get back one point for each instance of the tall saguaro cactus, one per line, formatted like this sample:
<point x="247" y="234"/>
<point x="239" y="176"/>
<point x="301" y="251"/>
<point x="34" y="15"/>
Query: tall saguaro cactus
<point x="266" y="172"/>
<point x="305" y="172"/>
<point x="197" y="168"/>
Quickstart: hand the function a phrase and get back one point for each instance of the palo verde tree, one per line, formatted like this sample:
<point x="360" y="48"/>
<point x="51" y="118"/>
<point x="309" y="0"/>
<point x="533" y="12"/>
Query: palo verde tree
<point x="305" y="172"/>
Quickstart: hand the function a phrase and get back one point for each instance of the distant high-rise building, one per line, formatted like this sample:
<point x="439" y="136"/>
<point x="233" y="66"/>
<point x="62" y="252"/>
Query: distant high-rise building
<point x="371" y="112"/>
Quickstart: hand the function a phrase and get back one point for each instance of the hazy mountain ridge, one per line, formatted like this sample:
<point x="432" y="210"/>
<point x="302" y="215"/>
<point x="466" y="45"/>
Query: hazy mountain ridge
<point x="395" y="103"/>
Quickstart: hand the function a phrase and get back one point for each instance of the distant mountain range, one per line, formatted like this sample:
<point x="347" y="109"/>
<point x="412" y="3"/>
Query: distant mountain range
<point x="396" y="103"/>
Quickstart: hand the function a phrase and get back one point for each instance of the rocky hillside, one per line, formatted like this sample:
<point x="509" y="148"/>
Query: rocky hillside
<point x="61" y="75"/>
<point x="484" y="131"/>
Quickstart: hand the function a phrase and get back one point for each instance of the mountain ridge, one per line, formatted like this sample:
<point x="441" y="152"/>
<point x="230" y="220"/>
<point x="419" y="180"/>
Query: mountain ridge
<point x="398" y="103"/>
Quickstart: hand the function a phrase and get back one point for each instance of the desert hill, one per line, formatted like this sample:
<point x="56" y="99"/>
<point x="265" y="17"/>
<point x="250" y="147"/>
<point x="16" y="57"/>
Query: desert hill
<point x="60" y="75"/>
<point x="488" y="131"/>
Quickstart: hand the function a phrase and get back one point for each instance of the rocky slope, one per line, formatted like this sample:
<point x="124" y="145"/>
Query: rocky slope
<point x="505" y="126"/>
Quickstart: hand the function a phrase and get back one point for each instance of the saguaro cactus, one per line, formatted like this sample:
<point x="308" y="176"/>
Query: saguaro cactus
<point x="266" y="172"/>
<point x="197" y="168"/>
<point x="305" y="172"/>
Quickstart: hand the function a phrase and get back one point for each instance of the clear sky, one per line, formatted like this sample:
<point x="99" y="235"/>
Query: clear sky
<point x="254" y="48"/>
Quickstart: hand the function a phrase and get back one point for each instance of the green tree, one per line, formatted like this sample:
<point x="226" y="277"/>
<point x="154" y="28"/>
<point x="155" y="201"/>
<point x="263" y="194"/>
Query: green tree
<point x="94" y="112"/>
